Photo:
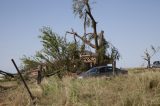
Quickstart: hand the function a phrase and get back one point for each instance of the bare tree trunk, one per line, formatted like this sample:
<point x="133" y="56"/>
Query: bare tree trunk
<point x="149" y="63"/>
<point x="94" y="25"/>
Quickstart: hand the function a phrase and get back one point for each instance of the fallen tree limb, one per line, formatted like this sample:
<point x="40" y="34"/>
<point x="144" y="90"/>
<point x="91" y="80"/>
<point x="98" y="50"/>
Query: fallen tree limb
<point x="51" y="74"/>
<point x="6" y="73"/>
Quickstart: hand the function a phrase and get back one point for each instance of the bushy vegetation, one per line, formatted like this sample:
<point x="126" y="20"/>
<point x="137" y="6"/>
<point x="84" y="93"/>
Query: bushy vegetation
<point x="57" y="54"/>
<point x="135" y="89"/>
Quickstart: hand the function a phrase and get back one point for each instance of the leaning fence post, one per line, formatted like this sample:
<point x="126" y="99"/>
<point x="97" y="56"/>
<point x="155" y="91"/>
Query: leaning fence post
<point x="32" y="97"/>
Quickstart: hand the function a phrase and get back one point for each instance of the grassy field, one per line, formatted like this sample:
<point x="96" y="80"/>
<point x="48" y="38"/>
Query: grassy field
<point x="140" y="87"/>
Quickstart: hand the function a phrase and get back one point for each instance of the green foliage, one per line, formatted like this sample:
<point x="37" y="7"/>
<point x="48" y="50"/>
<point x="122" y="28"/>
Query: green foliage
<point x="56" y="55"/>
<point x="80" y="8"/>
<point x="54" y="46"/>
<point x="107" y="52"/>
<point x="114" y="55"/>
<point x="29" y="62"/>
<point x="103" y="46"/>
<point x="73" y="51"/>
<point x="55" y="51"/>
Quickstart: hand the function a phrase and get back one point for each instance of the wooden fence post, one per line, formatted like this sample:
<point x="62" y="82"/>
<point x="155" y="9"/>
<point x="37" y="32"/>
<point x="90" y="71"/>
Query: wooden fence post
<point x="39" y="76"/>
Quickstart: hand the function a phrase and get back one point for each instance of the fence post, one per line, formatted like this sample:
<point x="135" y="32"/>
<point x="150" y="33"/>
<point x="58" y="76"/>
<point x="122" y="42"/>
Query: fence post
<point x="39" y="76"/>
<point x="32" y="97"/>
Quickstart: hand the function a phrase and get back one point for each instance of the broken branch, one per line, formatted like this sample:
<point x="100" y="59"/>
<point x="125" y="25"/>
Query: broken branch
<point x="84" y="40"/>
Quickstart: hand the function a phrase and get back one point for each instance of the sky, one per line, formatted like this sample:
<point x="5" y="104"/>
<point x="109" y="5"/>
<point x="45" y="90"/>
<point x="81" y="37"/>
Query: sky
<point x="130" y="25"/>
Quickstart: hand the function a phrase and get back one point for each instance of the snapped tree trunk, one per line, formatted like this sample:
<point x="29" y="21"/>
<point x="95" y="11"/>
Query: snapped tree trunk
<point x="94" y="26"/>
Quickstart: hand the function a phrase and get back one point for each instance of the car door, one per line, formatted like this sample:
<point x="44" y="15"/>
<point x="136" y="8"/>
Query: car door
<point x="109" y="71"/>
<point x="101" y="71"/>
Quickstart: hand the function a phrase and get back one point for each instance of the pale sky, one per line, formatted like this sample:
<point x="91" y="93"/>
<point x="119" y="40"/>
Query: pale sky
<point x="131" y="25"/>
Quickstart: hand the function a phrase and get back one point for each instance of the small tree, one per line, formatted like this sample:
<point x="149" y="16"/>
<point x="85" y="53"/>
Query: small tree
<point x="57" y="54"/>
<point x="148" y="55"/>
<point x="114" y="55"/>
<point x="54" y="52"/>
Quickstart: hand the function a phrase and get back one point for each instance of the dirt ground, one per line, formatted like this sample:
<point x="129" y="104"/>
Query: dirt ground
<point x="2" y="99"/>
<point x="5" y="88"/>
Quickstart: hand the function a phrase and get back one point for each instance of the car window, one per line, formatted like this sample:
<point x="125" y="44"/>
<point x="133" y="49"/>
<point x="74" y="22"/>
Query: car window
<point x="156" y="62"/>
<point x="102" y="70"/>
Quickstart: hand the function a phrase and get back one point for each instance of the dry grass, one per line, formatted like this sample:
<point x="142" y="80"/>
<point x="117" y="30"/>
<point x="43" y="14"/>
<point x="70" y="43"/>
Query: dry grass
<point x="140" y="88"/>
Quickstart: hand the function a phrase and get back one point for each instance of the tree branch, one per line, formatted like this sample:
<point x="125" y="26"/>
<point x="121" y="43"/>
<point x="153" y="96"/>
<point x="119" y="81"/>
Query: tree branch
<point x="94" y="25"/>
<point x="84" y="40"/>
<point x="89" y="13"/>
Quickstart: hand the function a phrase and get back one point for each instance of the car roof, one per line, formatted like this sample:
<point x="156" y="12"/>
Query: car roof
<point x="103" y="66"/>
<point x="156" y="62"/>
<point x="100" y="66"/>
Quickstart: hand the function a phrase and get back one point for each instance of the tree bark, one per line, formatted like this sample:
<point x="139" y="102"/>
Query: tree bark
<point x="149" y="64"/>
<point x="94" y="25"/>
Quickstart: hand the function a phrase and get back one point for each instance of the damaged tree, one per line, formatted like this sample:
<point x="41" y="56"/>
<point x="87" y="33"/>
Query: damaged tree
<point x="82" y="8"/>
<point x="149" y="54"/>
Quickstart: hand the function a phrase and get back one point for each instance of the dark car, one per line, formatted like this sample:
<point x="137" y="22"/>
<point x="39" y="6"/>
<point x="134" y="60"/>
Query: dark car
<point x="156" y="64"/>
<point x="101" y="71"/>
